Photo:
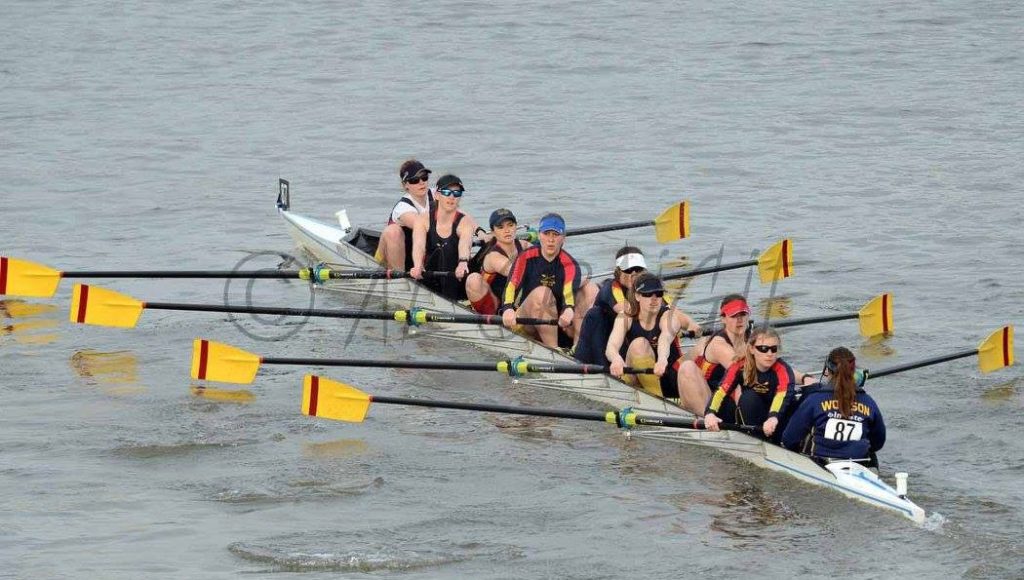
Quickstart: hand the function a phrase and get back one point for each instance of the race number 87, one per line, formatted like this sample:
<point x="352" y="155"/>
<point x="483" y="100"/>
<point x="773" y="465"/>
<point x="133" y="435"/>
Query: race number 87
<point x="842" y="430"/>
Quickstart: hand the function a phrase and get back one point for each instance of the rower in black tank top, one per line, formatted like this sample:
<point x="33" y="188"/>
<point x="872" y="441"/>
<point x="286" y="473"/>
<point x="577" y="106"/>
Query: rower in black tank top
<point x="443" y="256"/>
<point x="669" y="381"/>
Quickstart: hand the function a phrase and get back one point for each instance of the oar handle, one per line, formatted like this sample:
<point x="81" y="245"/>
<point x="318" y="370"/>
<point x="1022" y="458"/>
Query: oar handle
<point x="491" y="319"/>
<point x="708" y="270"/>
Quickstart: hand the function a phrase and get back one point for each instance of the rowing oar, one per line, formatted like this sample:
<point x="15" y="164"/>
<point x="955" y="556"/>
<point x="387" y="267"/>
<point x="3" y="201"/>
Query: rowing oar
<point x="24" y="278"/>
<point x="215" y="361"/>
<point x="775" y="263"/>
<point x="875" y="319"/>
<point x="994" y="353"/>
<point x="102" y="307"/>
<point x="329" y="399"/>
<point x="671" y="225"/>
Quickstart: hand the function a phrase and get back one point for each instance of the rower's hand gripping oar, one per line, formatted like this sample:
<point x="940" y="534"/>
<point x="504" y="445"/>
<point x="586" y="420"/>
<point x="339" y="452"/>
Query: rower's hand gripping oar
<point x="102" y="307"/>
<point x="29" y="279"/>
<point x="214" y="361"/>
<point x="994" y="353"/>
<point x="875" y="318"/>
<point x="330" y="399"/>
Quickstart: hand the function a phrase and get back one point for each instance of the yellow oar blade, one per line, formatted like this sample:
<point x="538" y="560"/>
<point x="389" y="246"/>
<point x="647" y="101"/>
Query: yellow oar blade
<point x="996" y="351"/>
<point x="673" y="223"/>
<point x="876" y="316"/>
<point x="22" y="278"/>
<point x="329" y="399"/>
<point x="215" y="361"/>
<point x="102" y="307"/>
<point x="776" y="263"/>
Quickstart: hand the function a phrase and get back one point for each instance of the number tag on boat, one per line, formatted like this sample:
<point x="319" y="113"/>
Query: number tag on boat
<point x="842" y="430"/>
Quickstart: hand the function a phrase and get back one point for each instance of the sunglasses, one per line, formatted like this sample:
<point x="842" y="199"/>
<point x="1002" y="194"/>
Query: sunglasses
<point x="766" y="348"/>
<point x="456" y="193"/>
<point x="659" y="294"/>
<point x="633" y="270"/>
<point x="415" y="180"/>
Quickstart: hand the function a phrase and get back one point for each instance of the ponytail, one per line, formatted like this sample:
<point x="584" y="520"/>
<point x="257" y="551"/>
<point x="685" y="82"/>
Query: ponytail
<point x="842" y="365"/>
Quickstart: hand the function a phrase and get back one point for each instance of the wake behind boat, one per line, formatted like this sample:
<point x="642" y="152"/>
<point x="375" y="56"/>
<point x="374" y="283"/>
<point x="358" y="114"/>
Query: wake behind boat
<point x="344" y="248"/>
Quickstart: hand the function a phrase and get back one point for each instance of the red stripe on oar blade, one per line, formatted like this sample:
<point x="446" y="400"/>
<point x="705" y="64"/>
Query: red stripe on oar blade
<point x="83" y="299"/>
<point x="885" y="313"/>
<point x="3" y="276"/>
<point x="682" y="220"/>
<point x="314" y="391"/>
<point x="785" y="258"/>
<point x="1006" y="346"/>
<point x="204" y="355"/>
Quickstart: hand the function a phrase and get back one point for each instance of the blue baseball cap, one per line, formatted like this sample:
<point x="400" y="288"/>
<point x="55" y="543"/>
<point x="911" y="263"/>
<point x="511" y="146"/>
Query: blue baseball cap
<point x="552" y="222"/>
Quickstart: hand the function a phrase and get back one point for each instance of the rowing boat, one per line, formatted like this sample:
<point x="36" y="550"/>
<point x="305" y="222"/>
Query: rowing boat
<point x="346" y="248"/>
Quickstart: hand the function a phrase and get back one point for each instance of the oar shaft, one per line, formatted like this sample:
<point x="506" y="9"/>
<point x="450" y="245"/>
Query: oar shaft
<point x="708" y="270"/>
<point x="361" y="314"/>
<point x="812" y="320"/>
<point x="921" y="363"/>
<point x="582" y="369"/>
<point x="607" y="228"/>
<point x="219" y="274"/>
<point x="598" y="416"/>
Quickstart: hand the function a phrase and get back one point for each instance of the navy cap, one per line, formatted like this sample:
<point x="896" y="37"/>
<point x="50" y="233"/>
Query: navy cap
<point x="648" y="284"/>
<point x="410" y="169"/>
<point x="502" y="215"/>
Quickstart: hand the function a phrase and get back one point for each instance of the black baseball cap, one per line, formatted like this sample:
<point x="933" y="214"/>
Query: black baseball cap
<point x="447" y="181"/>
<point x="502" y="215"/>
<point x="648" y="284"/>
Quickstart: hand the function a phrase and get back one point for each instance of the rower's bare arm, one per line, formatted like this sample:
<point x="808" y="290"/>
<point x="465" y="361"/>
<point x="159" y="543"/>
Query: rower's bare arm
<point x="419" y="240"/>
<point x="685" y="322"/>
<point x="409" y="219"/>
<point x="611" y="351"/>
<point x="720" y="352"/>
<point x="467" y="229"/>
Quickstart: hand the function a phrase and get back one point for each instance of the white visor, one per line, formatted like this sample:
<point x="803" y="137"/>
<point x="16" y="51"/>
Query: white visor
<point x="630" y="261"/>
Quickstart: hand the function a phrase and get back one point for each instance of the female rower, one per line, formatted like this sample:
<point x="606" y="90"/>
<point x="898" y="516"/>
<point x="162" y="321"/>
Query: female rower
<point x="395" y="247"/>
<point x="757" y="388"/>
<point x="836" y="418"/>
<point x="493" y="262"/>
<point x="648" y="329"/>
<point x="610" y="302"/>
<point x="442" y="240"/>
<point x="717" y="352"/>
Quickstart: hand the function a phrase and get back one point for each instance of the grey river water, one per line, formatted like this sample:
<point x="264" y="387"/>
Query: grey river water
<point x="886" y="139"/>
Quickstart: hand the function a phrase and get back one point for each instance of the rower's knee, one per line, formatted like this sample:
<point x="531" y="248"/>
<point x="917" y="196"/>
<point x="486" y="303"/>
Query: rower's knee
<point x="476" y="287"/>
<point x="639" y="348"/>
<point x="392" y="235"/>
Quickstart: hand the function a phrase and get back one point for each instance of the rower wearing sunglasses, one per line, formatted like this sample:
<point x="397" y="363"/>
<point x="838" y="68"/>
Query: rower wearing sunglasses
<point x="395" y="247"/>
<point x="717" y="352"/>
<point x="442" y="240"/>
<point x="757" y="389"/>
<point x="648" y="329"/>
<point x="610" y="302"/>
<point x="546" y="282"/>
<point x="491" y="265"/>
